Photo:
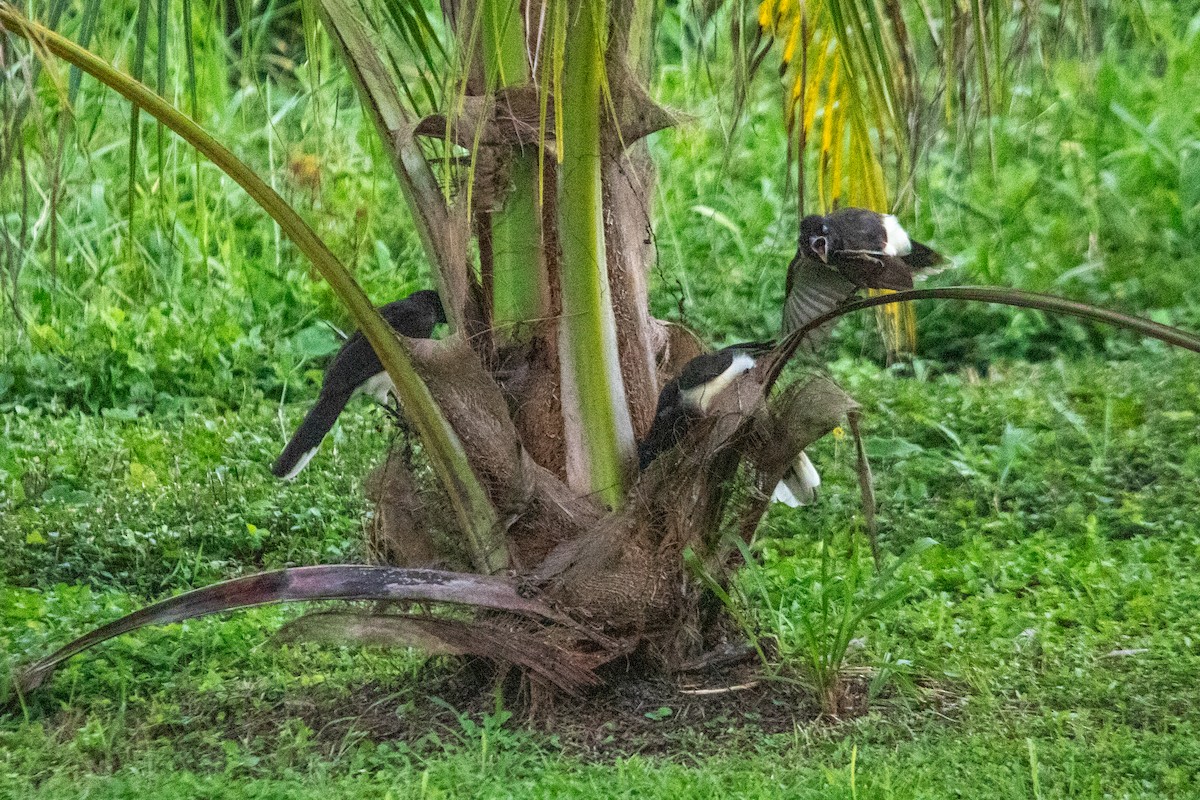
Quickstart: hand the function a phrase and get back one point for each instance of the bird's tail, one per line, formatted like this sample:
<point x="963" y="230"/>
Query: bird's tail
<point x="799" y="484"/>
<point x="923" y="258"/>
<point x="307" y="438"/>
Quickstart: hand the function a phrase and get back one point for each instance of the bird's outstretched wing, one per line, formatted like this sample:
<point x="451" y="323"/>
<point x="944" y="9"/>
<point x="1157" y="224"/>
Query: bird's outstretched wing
<point x="812" y="289"/>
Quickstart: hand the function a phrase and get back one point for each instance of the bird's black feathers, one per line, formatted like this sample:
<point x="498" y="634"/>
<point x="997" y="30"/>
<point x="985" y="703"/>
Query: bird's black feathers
<point x="848" y="250"/>
<point x="686" y="398"/>
<point x="355" y="367"/>
<point x="671" y="423"/>
<point x="923" y="257"/>
<point x="706" y="367"/>
<point x="812" y="290"/>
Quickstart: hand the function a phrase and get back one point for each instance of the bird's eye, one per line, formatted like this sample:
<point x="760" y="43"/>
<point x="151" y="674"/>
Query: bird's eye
<point x="825" y="229"/>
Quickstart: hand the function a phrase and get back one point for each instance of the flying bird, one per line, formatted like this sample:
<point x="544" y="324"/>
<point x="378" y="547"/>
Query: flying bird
<point x="845" y="251"/>
<point x="356" y="368"/>
<point x="687" y="398"/>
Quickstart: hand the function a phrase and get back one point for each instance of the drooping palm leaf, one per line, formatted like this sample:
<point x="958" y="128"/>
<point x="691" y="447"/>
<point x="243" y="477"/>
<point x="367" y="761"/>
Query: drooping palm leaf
<point x="444" y="234"/>
<point x="441" y="636"/>
<point x="332" y="582"/>
<point x="989" y="294"/>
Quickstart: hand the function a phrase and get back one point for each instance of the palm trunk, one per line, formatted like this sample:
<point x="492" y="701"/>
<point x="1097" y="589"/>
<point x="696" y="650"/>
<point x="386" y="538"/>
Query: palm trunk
<point x="597" y="427"/>
<point x="629" y="180"/>
<point x="519" y="292"/>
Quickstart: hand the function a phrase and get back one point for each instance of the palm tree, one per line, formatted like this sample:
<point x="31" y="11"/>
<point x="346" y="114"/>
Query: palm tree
<point x="516" y="132"/>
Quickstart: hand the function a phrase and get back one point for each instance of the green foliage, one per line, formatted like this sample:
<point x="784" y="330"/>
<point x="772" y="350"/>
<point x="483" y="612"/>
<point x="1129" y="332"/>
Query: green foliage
<point x="1094" y="196"/>
<point x="208" y="301"/>
<point x="1061" y="495"/>
<point x="121" y="502"/>
<point x="817" y="617"/>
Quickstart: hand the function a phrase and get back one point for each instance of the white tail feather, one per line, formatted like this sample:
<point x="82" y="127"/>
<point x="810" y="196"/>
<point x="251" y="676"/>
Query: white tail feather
<point x="895" y="238"/>
<point x="799" y="485"/>
<point x="301" y="464"/>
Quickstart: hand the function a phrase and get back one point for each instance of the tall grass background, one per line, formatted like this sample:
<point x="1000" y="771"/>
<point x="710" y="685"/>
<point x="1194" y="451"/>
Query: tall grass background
<point x="142" y="283"/>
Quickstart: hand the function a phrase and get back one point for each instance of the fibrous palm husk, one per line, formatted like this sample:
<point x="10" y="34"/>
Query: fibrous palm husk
<point x="535" y="506"/>
<point x="627" y="570"/>
<point x="401" y="532"/>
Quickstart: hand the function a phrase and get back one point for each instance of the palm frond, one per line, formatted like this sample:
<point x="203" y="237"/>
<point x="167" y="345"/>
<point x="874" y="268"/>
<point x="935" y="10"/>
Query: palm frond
<point x="444" y="235"/>
<point x="332" y="582"/>
<point x="987" y="294"/>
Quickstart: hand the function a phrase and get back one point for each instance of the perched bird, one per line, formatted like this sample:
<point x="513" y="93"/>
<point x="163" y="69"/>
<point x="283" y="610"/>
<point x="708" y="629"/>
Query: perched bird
<point x="687" y="398"/>
<point x="841" y="253"/>
<point x="356" y="369"/>
<point x="845" y="251"/>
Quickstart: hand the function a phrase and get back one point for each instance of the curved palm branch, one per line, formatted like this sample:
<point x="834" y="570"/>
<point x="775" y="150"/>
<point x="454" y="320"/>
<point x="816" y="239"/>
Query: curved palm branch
<point x="331" y="582"/>
<point x="989" y="294"/>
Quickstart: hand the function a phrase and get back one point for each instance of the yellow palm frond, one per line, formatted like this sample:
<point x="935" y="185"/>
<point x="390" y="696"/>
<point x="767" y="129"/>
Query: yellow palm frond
<point x="836" y="58"/>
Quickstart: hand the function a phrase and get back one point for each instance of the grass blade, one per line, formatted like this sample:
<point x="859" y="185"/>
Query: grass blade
<point x="87" y="29"/>
<point x="189" y="45"/>
<point x="141" y="31"/>
<point x="160" y="81"/>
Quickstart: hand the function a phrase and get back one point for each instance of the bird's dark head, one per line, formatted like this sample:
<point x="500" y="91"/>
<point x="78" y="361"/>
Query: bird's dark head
<point x="814" y="237"/>
<point x="429" y="298"/>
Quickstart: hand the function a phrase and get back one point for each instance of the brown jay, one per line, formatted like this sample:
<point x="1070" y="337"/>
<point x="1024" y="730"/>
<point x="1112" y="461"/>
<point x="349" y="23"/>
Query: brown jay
<point x="845" y="251"/>
<point x="356" y="369"/>
<point x="687" y="398"/>
<point x="841" y="253"/>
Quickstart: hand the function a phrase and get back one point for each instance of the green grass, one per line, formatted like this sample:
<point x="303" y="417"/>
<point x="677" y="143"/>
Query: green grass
<point x="142" y="392"/>
<point x="1061" y="496"/>
<point x="184" y="495"/>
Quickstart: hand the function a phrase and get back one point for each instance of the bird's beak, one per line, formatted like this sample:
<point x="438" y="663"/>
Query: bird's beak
<point x="820" y="246"/>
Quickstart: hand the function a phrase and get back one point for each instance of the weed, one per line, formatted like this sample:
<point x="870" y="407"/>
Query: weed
<point x="817" y="617"/>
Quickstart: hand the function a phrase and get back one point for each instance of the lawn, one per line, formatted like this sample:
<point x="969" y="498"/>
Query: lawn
<point x="1035" y="632"/>
<point x="1045" y="646"/>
